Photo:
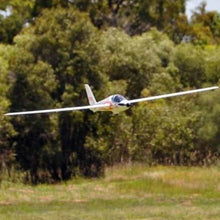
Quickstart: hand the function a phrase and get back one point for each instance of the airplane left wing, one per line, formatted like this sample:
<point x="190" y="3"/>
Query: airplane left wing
<point x="171" y="95"/>
<point x="59" y="109"/>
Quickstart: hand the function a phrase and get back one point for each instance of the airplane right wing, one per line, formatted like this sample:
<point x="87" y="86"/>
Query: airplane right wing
<point x="171" y="95"/>
<point x="58" y="109"/>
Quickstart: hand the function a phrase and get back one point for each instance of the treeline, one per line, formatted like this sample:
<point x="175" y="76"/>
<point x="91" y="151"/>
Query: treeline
<point x="50" y="49"/>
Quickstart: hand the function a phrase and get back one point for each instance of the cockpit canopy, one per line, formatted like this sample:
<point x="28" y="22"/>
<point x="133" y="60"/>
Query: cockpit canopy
<point x="117" y="98"/>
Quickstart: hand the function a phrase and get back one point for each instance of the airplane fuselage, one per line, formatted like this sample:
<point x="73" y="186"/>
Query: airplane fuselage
<point x="117" y="104"/>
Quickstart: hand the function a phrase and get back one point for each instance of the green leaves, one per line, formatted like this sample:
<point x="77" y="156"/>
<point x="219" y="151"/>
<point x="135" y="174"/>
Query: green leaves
<point x="212" y="71"/>
<point x="61" y="50"/>
<point x="134" y="59"/>
<point x="7" y="131"/>
<point x="190" y="61"/>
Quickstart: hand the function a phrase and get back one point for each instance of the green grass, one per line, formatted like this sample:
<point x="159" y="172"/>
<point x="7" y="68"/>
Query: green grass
<point x="129" y="192"/>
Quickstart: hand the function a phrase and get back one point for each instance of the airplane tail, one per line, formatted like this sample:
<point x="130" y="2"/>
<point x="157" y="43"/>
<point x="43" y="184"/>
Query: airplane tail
<point x="91" y="97"/>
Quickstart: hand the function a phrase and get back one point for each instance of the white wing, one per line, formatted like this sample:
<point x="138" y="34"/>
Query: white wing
<point x="59" y="109"/>
<point x="171" y="95"/>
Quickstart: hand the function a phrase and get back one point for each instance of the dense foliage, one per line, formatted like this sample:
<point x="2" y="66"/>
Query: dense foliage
<point x="51" y="49"/>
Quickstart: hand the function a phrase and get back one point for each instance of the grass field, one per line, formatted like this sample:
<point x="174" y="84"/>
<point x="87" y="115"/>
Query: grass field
<point x="129" y="192"/>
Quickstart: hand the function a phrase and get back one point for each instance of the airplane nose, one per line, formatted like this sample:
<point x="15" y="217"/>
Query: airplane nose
<point x="124" y="103"/>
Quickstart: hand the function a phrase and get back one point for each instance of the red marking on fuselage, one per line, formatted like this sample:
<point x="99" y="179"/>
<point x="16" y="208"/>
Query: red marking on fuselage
<point x="108" y="108"/>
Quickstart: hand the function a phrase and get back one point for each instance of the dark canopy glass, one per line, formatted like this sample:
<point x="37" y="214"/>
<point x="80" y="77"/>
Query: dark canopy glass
<point x="117" y="98"/>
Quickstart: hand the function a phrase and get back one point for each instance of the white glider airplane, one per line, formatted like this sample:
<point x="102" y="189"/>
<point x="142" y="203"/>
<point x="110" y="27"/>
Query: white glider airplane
<point x="114" y="103"/>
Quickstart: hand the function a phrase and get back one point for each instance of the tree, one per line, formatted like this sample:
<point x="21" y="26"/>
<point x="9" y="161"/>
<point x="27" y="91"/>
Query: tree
<point x="60" y="50"/>
<point x="165" y="132"/>
<point x="40" y="5"/>
<point x="51" y="67"/>
<point x="131" y="59"/>
<point x="204" y="28"/>
<point x="134" y="17"/>
<point x="19" y="16"/>
<point x="212" y="69"/>
<point x="190" y="62"/>
<point x="209" y="130"/>
<point x="33" y="85"/>
<point x="7" y="153"/>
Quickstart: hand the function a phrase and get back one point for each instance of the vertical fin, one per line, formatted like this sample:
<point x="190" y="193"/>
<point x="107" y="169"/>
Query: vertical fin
<point x="91" y="98"/>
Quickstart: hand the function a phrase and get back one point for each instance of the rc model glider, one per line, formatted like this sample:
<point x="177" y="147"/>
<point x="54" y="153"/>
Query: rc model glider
<point x="114" y="103"/>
